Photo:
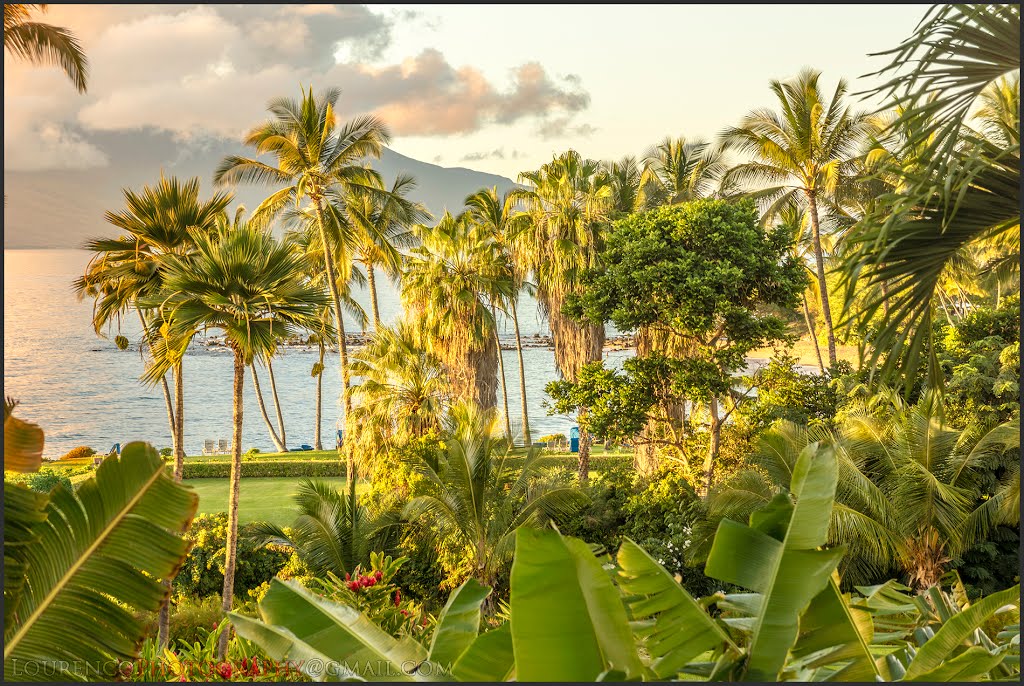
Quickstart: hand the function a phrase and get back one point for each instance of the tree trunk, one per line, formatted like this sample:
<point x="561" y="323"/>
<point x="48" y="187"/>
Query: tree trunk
<point x="371" y="281"/>
<point x="501" y="373"/>
<point x="179" y="421"/>
<point x="277" y="406"/>
<point x="814" y="336"/>
<point x="819" y="261"/>
<point x="167" y="391"/>
<point x="319" y="401"/>
<point x="236" y="477"/>
<point x="263" y="409"/>
<point x="584" y="456"/>
<point x="527" y="439"/>
<point x="350" y="467"/>
<point x="716" y="439"/>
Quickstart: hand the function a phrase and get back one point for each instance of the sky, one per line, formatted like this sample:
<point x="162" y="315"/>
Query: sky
<point x="495" y="88"/>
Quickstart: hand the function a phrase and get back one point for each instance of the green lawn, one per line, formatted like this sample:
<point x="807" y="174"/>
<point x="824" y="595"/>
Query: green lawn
<point x="269" y="499"/>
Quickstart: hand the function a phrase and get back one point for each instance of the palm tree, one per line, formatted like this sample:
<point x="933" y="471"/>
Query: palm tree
<point x="475" y="498"/>
<point x="240" y="280"/>
<point x="804" y="150"/>
<point x="277" y="434"/>
<point x="313" y="154"/>
<point x="627" y="181"/>
<point x="499" y="218"/>
<point x="451" y="281"/>
<point x="403" y="392"/>
<point x="794" y="219"/>
<point x="966" y="189"/>
<point x="383" y="226"/>
<point x="323" y="337"/>
<point x="332" y="533"/>
<point x="568" y="202"/>
<point x="158" y="222"/>
<point x="906" y="488"/>
<point x="44" y="43"/>
<point x="677" y="170"/>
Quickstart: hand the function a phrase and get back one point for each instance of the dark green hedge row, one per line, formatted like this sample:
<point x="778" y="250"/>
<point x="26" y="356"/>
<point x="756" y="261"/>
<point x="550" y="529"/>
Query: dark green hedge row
<point x="265" y="468"/>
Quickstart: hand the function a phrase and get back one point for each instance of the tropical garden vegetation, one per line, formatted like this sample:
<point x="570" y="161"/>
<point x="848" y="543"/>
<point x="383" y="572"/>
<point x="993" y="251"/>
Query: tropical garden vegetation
<point x="855" y="523"/>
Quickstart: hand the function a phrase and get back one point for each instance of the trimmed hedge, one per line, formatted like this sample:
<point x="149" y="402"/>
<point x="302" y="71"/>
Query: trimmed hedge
<point x="264" y="468"/>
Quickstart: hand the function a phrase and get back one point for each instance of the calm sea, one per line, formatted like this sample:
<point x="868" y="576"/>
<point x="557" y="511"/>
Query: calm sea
<point x="84" y="391"/>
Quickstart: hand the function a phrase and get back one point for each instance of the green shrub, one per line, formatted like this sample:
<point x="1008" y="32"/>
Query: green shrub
<point x="79" y="452"/>
<point x="166" y="452"/>
<point x="553" y="438"/>
<point x="42" y="481"/>
<point x="202" y="573"/>
<point x="264" y="468"/>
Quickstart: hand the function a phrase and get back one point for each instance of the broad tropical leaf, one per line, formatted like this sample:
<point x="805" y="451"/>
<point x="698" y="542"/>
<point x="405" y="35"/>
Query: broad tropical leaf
<point x="677" y="629"/>
<point x="489" y="658"/>
<point x="100" y="554"/>
<point x="568" y="620"/>
<point x="459" y="623"/>
<point x="332" y="641"/>
<point x="777" y="556"/>
<point x="24" y="509"/>
<point x="23" y="442"/>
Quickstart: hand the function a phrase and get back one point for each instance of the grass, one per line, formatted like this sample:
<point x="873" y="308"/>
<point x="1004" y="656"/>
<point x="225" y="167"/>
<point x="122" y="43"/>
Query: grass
<point x="269" y="499"/>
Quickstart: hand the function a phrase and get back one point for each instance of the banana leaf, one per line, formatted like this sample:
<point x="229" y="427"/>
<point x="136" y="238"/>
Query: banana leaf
<point x="778" y="557"/>
<point x="330" y="641"/>
<point x="23" y="442"/>
<point x="488" y="658"/>
<point x="675" y="628"/>
<point x="100" y="554"/>
<point x="568" y="619"/>
<point x="459" y="623"/>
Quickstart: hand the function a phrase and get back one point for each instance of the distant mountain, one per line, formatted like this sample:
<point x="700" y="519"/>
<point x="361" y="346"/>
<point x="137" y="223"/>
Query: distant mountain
<point x="63" y="208"/>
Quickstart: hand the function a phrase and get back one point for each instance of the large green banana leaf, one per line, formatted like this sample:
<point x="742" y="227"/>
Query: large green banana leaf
<point x="777" y="556"/>
<point x="568" y="619"/>
<point x="458" y="624"/>
<point x="101" y="553"/>
<point x="833" y="632"/>
<point x="675" y="628"/>
<point x="489" y="657"/>
<point x="331" y="641"/>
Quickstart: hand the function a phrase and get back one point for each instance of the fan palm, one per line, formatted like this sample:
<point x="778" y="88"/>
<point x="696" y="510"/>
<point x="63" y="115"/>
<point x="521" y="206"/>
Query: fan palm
<point x="312" y="155"/>
<point x="475" y="498"/>
<point x="568" y="202"/>
<point x="403" y="392"/>
<point x="499" y="217"/>
<point x="905" y="490"/>
<point x="244" y="282"/>
<point x="451" y="281"/>
<point x="332" y="533"/>
<point x="964" y="192"/>
<point x="44" y="43"/>
<point x="804" y="150"/>
<point x="677" y="170"/>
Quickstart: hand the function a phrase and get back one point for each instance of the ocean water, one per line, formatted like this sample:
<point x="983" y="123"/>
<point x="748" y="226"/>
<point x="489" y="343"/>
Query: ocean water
<point x="84" y="391"/>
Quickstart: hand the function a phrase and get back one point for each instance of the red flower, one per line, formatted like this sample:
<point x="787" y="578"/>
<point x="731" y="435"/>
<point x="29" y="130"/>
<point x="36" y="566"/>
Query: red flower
<point x="378" y="575"/>
<point x="353" y="585"/>
<point x="405" y="613"/>
<point x="348" y="577"/>
<point x="224" y="670"/>
<point x="245" y="663"/>
<point x="398" y="598"/>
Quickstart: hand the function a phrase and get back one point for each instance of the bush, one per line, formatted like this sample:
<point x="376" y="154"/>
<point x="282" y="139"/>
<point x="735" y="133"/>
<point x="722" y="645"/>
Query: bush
<point x="553" y="438"/>
<point x="43" y="481"/>
<point x="264" y="468"/>
<point x="202" y="573"/>
<point x="166" y="452"/>
<point x="79" y="452"/>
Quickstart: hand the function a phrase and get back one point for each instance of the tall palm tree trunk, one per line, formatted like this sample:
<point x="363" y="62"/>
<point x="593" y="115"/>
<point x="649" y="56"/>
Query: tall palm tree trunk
<point x="236" y="477"/>
<point x="819" y="262"/>
<point x="278" y="443"/>
<point x="168" y="403"/>
<point x="371" y="281"/>
<point x="527" y="439"/>
<point x="319" y="401"/>
<point x="501" y="374"/>
<point x="350" y="466"/>
<point x="812" y="334"/>
<point x="277" y="406"/>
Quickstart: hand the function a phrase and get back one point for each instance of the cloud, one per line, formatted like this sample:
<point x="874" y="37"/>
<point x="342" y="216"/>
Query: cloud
<point x="563" y="126"/>
<point x="496" y="154"/>
<point x="209" y="70"/>
<point x="56" y="147"/>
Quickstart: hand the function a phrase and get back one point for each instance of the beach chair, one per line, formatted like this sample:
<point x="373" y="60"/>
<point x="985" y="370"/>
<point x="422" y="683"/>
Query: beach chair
<point x="222" y="446"/>
<point x="209" y="446"/>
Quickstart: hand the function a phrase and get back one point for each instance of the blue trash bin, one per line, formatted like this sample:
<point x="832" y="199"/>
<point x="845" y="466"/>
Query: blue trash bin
<point x="574" y="440"/>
